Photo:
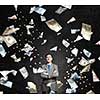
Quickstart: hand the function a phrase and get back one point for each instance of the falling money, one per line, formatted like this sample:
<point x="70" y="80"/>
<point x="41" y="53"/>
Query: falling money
<point x="54" y="25"/>
<point x="86" y="31"/>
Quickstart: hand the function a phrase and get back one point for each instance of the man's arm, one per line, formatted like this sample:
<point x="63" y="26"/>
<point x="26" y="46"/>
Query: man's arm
<point x="45" y="73"/>
<point x="55" y="72"/>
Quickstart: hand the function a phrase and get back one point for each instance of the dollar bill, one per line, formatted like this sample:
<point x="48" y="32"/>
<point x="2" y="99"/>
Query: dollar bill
<point x="60" y="10"/>
<point x="2" y="51"/>
<point x="72" y="84"/>
<point x="86" y="31"/>
<point x="24" y="72"/>
<point x="9" y="40"/>
<point x="54" y="25"/>
<point x="65" y="43"/>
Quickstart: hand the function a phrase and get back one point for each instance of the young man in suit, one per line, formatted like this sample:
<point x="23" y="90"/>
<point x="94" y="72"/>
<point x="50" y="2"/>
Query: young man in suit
<point x="49" y="76"/>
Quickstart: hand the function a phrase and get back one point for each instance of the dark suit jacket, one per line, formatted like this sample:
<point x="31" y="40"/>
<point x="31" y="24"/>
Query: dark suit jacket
<point x="53" y="73"/>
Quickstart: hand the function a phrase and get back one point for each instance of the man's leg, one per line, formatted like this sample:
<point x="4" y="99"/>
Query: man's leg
<point x="53" y="87"/>
<point x="45" y="89"/>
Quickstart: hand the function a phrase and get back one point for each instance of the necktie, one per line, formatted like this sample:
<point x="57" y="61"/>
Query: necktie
<point x="49" y="68"/>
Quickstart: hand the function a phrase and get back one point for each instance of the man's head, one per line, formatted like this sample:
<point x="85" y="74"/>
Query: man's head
<point x="49" y="58"/>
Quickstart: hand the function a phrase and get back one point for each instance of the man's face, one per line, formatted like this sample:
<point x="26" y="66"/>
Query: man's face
<point x="49" y="58"/>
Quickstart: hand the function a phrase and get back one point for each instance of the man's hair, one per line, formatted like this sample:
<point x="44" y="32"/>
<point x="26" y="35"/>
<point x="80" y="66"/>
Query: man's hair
<point x="48" y="54"/>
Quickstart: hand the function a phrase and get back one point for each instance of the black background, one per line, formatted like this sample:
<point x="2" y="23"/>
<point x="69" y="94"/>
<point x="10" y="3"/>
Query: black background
<point x="83" y="14"/>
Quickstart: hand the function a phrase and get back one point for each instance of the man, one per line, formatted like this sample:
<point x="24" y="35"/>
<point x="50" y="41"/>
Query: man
<point x="49" y="76"/>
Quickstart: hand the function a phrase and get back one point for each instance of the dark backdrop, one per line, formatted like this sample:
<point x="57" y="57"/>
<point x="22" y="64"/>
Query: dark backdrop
<point x="86" y="14"/>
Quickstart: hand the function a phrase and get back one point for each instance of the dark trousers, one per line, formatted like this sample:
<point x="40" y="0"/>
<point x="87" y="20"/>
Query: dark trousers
<point x="45" y="88"/>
